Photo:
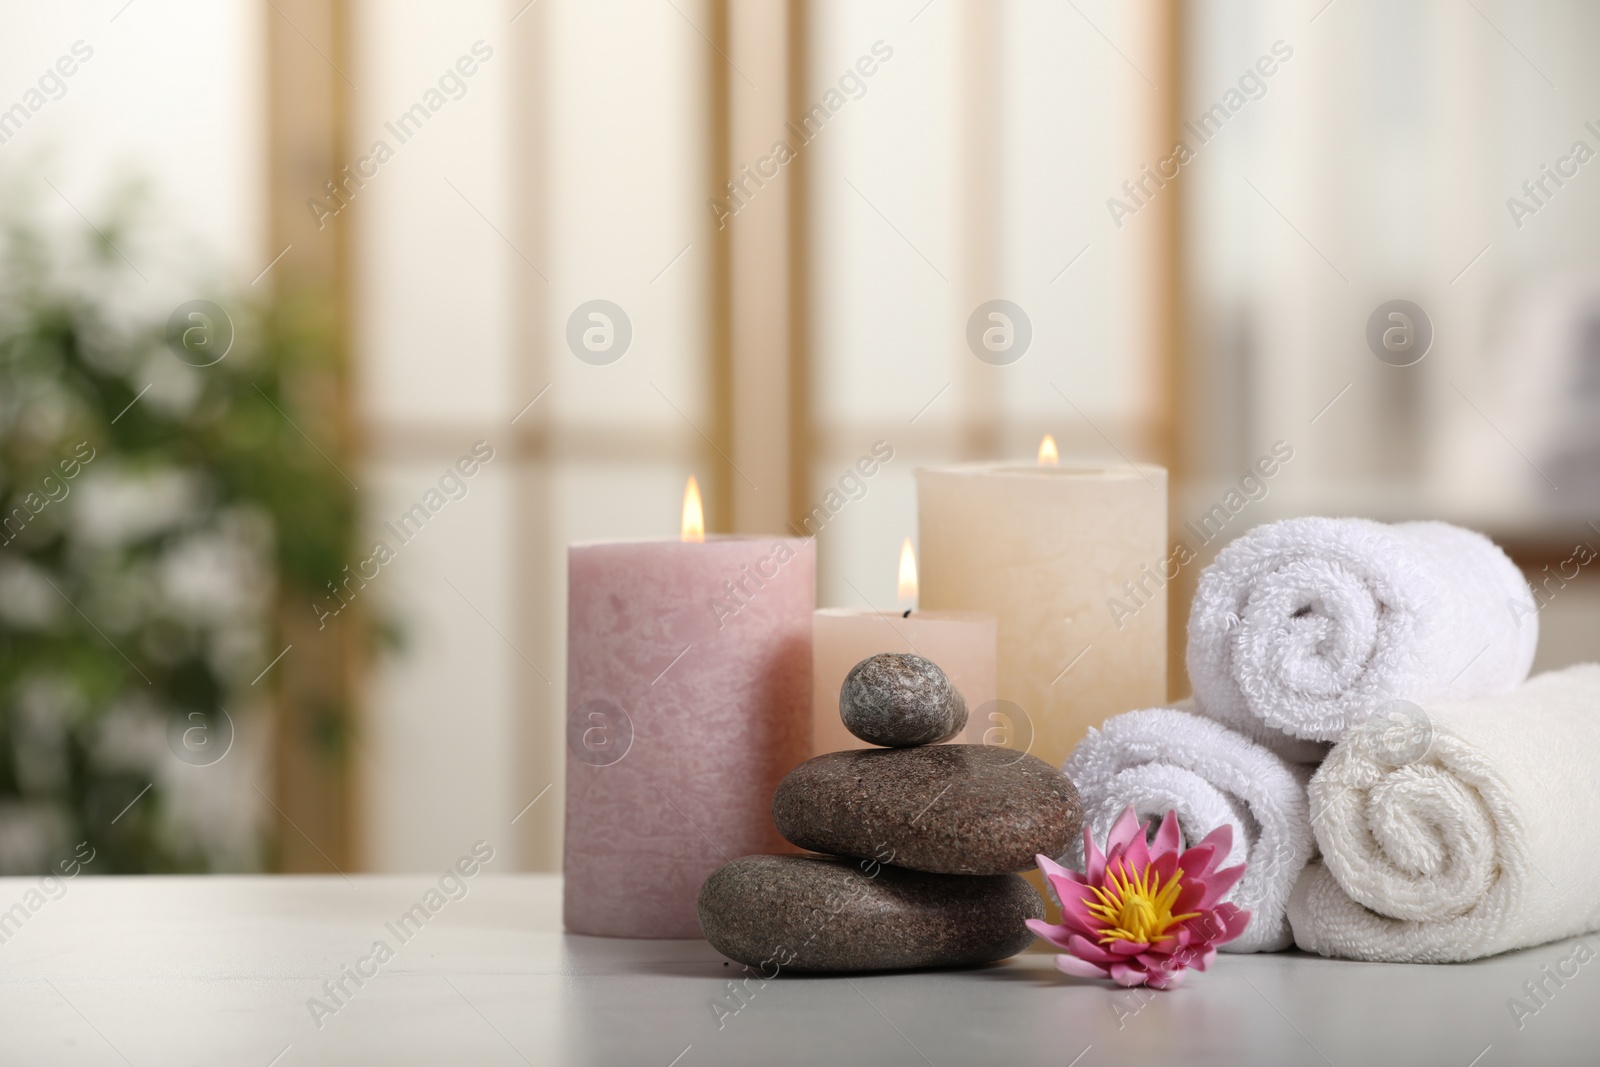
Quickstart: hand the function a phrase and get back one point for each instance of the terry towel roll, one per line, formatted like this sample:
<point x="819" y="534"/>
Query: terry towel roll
<point x="1487" y="842"/>
<point x="1167" y="759"/>
<point x="1300" y="629"/>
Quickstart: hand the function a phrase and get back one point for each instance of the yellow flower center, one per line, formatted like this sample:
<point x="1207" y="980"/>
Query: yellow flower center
<point x="1137" y="907"/>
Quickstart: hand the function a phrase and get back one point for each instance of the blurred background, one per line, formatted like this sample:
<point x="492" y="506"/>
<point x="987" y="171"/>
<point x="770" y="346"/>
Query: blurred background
<point x="278" y="272"/>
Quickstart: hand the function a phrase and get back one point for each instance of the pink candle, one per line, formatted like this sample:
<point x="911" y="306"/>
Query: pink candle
<point x="688" y="700"/>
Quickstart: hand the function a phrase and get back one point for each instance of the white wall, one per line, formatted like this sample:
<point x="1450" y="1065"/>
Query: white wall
<point x="463" y="727"/>
<point x="890" y="255"/>
<point x="170" y="98"/>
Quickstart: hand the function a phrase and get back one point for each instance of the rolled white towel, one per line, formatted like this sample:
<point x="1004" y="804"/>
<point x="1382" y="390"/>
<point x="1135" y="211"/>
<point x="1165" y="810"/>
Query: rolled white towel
<point x="1482" y="840"/>
<point x="1300" y="629"/>
<point x="1166" y="759"/>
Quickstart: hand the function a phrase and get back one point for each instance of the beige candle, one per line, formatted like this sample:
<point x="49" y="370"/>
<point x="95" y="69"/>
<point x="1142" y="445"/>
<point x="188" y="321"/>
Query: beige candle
<point x="1069" y="560"/>
<point x="962" y="643"/>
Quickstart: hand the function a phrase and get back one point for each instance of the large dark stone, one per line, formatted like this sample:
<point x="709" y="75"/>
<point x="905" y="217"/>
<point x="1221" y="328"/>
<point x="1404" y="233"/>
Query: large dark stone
<point x="948" y="809"/>
<point x="899" y="699"/>
<point x="782" y="914"/>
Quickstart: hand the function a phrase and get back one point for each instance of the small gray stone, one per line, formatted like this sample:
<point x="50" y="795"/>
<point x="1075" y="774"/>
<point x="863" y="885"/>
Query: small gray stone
<point x="948" y="809"/>
<point x="781" y="914"/>
<point x="899" y="700"/>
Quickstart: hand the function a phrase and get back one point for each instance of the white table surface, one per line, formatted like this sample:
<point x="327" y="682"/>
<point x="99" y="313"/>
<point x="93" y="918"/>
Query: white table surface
<point x="175" y="971"/>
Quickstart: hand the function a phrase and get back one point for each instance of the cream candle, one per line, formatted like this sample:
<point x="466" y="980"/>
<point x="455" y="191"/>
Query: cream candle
<point x="688" y="697"/>
<point x="962" y="643"/>
<point x="1046" y="549"/>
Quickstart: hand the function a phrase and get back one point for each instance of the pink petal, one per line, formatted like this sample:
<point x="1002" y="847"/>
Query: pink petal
<point x="1075" y="913"/>
<point x="1135" y="855"/>
<point x="1203" y="960"/>
<point x="1125" y="830"/>
<point x="1165" y="981"/>
<point x="1198" y="862"/>
<point x="1056" y="935"/>
<point x="1080" y="968"/>
<point x="1056" y="891"/>
<point x="1177" y="939"/>
<point x="1166" y="865"/>
<point x="1128" y="948"/>
<point x="1206" y="928"/>
<point x="1168" y="837"/>
<point x="1061" y="881"/>
<point x="1080" y="887"/>
<point x="1194" y="891"/>
<point x="1206" y="893"/>
<point x="1085" y="949"/>
<point x="1220" y="839"/>
<point x="1094" y="861"/>
<point x="1124" y="975"/>
<point x="1087" y="931"/>
<point x="1235" y="921"/>
<point x="1218" y="926"/>
<point x="1218" y="885"/>
<point x="1051" y="869"/>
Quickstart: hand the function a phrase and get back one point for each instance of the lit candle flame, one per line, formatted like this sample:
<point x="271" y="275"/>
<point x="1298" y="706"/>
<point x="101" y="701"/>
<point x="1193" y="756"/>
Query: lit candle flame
<point x="908" y="575"/>
<point x="694" y="515"/>
<point x="1049" y="455"/>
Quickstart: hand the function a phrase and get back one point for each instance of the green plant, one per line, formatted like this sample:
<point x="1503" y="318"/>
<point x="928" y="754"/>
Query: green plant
<point x="153" y="513"/>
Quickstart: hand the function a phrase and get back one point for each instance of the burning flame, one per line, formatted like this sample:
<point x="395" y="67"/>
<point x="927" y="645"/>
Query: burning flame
<point x="908" y="575"/>
<point x="1049" y="455"/>
<point x="694" y="515"/>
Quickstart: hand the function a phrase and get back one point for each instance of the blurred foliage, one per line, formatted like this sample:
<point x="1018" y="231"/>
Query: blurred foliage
<point x="156" y="505"/>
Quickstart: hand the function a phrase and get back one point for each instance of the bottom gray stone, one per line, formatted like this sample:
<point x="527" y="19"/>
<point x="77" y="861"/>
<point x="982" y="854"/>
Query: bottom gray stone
<point x="824" y="914"/>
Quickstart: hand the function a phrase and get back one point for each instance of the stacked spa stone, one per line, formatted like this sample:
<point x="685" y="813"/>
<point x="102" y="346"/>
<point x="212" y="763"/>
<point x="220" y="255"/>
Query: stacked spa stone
<point x="922" y="841"/>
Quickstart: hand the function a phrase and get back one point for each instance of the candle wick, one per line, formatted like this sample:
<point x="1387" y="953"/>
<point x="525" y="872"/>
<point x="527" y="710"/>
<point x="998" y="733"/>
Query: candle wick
<point x="907" y="615"/>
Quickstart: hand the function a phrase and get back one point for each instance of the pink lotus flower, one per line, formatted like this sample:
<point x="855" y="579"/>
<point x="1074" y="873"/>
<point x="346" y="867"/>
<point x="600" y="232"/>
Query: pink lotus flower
<point x="1143" y="913"/>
